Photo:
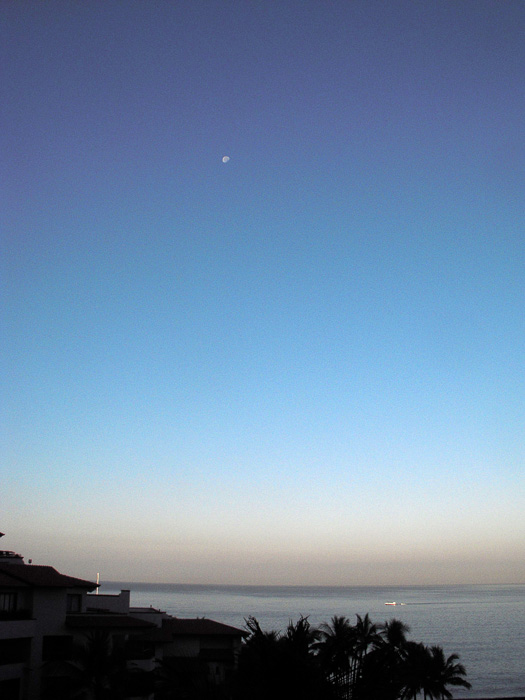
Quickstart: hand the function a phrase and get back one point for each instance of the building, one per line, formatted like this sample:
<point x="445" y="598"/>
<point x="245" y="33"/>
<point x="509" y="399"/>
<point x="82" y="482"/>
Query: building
<point x="34" y="604"/>
<point x="51" y="623"/>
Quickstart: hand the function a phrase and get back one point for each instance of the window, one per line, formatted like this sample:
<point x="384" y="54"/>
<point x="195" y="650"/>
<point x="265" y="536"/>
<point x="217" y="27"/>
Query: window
<point x="74" y="602"/>
<point x="7" y="601"/>
<point x="14" y="651"/>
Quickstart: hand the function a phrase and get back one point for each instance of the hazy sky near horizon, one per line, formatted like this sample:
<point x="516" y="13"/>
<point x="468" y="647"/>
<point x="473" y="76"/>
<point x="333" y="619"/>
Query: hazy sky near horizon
<point x="302" y="365"/>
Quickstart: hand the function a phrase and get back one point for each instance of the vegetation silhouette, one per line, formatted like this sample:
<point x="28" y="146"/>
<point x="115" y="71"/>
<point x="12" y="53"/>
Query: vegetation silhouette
<point x="341" y="661"/>
<point x="186" y="678"/>
<point x="336" y="661"/>
<point x="279" y="666"/>
<point x="96" y="669"/>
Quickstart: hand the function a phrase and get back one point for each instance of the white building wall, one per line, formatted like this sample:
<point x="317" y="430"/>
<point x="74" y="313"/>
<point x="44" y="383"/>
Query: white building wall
<point x="16" y="629"/>
<point x="116" y="603"/>
<point x="183" y="646"/>
<point x="49" y="611"/>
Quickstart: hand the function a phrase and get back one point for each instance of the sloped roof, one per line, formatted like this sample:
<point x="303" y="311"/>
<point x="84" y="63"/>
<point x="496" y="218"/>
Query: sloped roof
<point x="106" y="621"/>
<point x="6" y="580"/>
<point x="200" y="626"/>
<point x="40" y="577"/>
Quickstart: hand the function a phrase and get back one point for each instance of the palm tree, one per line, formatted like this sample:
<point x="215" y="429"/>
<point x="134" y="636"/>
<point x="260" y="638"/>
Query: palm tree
<point x="416" y="672"/>
<point x="280" y="666"/>
<point x="96" y="671"/>
<point x="367" y="634"/>
<point x="427" y="671"/>
<point x="366" y="637"/>
<point x="303" y="676"/>
<point x="259" y="669"/>
<point x="335" y="648"/>
<point x="394" y="633"/>
<point x="300" y="637"/>
<point x="344" y="662"/>
<point x="182" y="678"/>
<point x="380" y="677"/>
<point x="445" y="672"/>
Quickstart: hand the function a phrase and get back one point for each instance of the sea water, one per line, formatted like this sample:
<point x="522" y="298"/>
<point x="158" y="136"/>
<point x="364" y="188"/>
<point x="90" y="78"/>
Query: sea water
<point x="484" y="624"/>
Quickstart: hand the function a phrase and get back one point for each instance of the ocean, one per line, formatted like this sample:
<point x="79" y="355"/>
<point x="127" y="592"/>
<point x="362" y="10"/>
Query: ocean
<point x="484" y="624"/>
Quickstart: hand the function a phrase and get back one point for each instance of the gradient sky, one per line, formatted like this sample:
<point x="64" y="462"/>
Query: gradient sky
<point x="305" y="365"/>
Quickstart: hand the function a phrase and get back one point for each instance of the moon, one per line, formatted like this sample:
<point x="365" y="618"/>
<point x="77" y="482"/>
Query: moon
<point x="225" y="159"/>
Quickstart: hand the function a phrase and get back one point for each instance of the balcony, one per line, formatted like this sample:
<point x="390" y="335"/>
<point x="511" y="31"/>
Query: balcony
<point x="15" y="629"/>
<point x="15" y="615"/>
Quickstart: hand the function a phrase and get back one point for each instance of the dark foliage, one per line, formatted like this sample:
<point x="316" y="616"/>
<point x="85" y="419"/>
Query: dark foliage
<point x="337" y="661"/>
<point x="341" y="661"/>
<point x="186" y="678"/>
<point x="96" y="670"/>
<point x="279" y="666"/>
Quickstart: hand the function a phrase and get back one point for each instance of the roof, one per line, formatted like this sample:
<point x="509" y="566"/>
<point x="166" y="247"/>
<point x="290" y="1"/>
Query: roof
<point x="200" y="626"/>
<point x="40" y="577"/>
<point x="196" y="627"/>
<point x="6" y="580"/>
<point x="104" y="621"/>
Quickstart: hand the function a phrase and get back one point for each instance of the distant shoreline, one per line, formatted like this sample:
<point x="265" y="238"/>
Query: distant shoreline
<point x="381" y="586"/>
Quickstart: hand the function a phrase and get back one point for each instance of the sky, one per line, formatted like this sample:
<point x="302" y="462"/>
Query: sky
<point x="304" y="365"/>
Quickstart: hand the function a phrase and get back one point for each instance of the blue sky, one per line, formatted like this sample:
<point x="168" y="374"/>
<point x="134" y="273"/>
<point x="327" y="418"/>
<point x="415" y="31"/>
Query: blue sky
<point x="304" y="365"/>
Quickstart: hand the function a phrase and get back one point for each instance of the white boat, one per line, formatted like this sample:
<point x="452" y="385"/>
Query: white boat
<point x="394" y="603"/>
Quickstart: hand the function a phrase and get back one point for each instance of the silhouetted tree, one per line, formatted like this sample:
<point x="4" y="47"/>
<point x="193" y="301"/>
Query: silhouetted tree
<point x="366" y="638"/>
<point x="280" y="666"/>
<point x="341" y="661"/>
<point x="445" y="672"/>
<point x="393" y="634"/>
<point x="259" y="668"/>
<point x="185" y="678"/>
<point x="95" y="671"/>
<point x="382" y="667"/>
<point x="335" y="648"/>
